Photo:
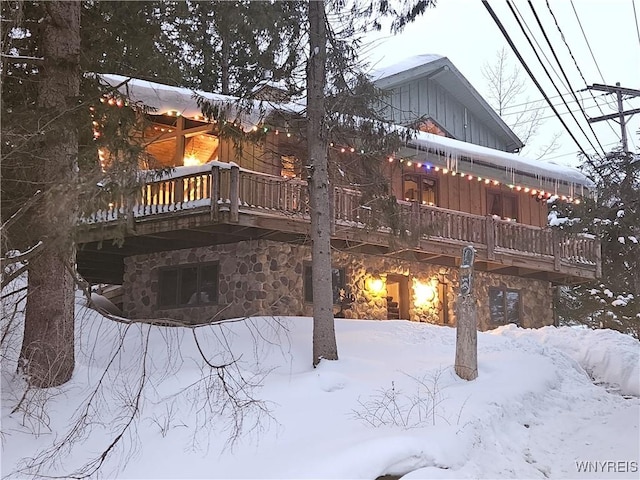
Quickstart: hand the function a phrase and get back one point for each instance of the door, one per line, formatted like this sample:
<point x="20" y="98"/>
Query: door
<point x="397" y="297"/>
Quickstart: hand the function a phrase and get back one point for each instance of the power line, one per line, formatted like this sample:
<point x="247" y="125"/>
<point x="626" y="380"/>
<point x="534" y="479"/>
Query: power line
<point x="585" y="39"/>
<point x="530" y="73"/>
<point x="635" y="16"/>
<point x="538" y="100"/>
<point x="540" y="49"/>
<point x="544" y="33"/>
<point x="575" y="12"/>
<point x="553" y="116"/>
<point x="509" y="4"/>
<point x="573" y="153"/>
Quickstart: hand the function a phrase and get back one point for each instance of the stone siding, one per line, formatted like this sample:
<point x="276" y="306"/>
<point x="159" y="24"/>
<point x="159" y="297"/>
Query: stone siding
<point x="261" y="277"/>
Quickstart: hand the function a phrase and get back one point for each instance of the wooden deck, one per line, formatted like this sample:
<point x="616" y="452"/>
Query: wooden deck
<point x="179" y="213"/>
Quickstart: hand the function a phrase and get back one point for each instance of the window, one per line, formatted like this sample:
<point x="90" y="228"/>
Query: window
<point x="431" y="126"/>
<point x="504" y="305"/>
<point x="290" y="166"/>
<point x="188" y="285"/>
<point x="503" y="205"/>
<point x="419" y="188"/>
<point x="338" y="283"/>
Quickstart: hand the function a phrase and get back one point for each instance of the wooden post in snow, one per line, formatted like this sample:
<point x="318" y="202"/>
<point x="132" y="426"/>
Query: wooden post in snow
<point x="466" y="365"/>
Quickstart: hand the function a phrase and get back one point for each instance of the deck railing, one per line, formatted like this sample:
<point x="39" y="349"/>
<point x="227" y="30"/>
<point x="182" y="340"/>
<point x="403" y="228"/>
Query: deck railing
<point x="234" y="190"/>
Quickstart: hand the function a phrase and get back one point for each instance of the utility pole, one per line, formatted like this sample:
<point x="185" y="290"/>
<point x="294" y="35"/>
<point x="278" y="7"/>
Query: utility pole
<point x="619" y="91"/>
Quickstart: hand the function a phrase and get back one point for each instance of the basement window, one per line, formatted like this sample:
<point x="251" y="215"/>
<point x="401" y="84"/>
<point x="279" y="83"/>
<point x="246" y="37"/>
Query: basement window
<point x="188" y="285"/>
<point x="338" y="284"/>
<point x="504" y="306"/>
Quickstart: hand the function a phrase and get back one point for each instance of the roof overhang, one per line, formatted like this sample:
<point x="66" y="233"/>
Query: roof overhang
<point x="507" y="168"/>
<point x="445" y="152"/>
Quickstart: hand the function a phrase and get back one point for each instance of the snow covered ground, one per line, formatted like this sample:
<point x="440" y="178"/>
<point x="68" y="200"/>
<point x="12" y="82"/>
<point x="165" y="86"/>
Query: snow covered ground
<point x="549" y="403"/>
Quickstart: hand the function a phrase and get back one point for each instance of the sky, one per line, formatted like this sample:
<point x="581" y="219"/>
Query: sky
<point x="464" y="31"/>
<point x="547" y="403"/>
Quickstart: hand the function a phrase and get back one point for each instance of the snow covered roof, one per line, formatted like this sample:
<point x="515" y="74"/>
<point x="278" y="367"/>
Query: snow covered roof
<point x="515" y="169"/>
<point x="403" y="66"/>
<point x="166" y="98"/>
<point x="460" y="155"/>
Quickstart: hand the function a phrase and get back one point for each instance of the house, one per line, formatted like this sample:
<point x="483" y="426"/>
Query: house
<point x="225" y="234"/>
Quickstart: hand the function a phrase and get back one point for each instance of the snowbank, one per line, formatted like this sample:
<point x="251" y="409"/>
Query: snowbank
<point x="609" y="357"/>
<point x="533" y="393"/>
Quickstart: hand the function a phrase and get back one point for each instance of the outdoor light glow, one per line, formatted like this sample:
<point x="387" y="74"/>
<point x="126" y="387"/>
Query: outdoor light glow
<point x="190" y="161"/>
<point x="375" y="285"/>
<point x="424" y="293"/>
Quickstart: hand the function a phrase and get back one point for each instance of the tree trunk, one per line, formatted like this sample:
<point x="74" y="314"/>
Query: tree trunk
<point x="47" y="355"/>
<point x="324" y="337"/>
<point x="224" y="67"/>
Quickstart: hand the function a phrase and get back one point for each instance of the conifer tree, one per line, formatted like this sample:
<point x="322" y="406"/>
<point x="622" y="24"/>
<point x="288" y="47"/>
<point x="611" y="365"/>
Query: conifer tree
<point x="613" y="217"/>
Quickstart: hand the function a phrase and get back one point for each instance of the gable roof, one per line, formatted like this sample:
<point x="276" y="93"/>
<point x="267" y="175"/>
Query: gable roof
<point x="440" y="70"/>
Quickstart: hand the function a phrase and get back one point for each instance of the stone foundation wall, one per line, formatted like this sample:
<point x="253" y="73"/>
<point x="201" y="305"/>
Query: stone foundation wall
<point x="261" y="277"/>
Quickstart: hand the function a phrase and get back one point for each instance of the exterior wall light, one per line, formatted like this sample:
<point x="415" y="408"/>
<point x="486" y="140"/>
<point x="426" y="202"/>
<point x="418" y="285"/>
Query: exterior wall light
<point x="375" y="285"/>
<point x="424" y="293"/>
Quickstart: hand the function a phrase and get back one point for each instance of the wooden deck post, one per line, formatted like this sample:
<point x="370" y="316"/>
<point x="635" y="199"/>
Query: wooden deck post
<point x="598" y="248"/>
<point x="234" y="194"/>
<point x="214" y="193"/>
<point x="416" y="227"/>
<point x="557" y="251"/>
<point x="490" y="225"/>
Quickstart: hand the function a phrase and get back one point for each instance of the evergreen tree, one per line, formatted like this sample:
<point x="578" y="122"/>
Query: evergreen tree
<point x="230" y="46"/>
<point x="40" y="153"/>
<point x="613" y="217"/>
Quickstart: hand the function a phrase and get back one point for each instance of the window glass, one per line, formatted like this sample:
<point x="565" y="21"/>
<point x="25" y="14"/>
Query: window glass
<point x="496" y="305"/>
<point x="188" y="285"/>
<point x="208" y="284"/>
<point x="502" y="205"/>
<point x="510" y="210"/>
<point x="504" y="305"/>
<point x="290" y="166"/>
<point x="411" y="188"/>
<point x="168" y="287"/>
<point x="428" y="191"/>
<point x="419" y="188"/>
<point x="338" y="284"/>
<point x="513" y="306"/>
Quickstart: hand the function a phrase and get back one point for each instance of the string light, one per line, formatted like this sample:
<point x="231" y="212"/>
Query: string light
<point x="445" y="171"/>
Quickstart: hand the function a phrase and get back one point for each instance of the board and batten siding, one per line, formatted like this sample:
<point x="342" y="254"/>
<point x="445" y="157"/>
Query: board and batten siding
<point x="420" y="98"/>
<point x="470" y="196"/>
